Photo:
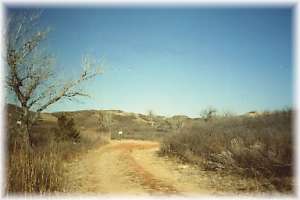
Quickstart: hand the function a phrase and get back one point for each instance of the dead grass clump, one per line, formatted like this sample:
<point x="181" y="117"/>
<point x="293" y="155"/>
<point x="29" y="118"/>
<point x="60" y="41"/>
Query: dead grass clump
<point x="260" y="147"/>
<point x="34" y="172"/>
<point x="41" y="170"/>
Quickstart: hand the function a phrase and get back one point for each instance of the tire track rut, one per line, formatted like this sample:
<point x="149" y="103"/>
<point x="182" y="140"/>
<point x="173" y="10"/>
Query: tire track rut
<point x="132" y="167"/>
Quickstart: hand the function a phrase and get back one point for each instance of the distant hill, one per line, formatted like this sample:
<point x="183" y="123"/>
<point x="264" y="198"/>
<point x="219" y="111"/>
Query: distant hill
<point x="133" y="125"/>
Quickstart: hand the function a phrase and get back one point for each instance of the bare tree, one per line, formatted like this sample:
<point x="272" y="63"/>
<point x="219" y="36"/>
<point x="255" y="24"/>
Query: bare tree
<point x="104" y="121"/>
<point x="151" y="116"/>
<point x="209" y="113"/>
<point x="30" y="74"/>
<point x="179" y="123"/>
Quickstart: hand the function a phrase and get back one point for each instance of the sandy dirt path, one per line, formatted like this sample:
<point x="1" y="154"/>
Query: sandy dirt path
<point x="133" y="167"/>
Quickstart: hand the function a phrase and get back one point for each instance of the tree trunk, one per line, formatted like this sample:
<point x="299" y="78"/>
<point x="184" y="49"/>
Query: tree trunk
<point x="25" y="128"/>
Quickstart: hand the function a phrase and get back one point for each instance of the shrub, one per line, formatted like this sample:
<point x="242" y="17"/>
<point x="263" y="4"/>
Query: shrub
<point x="253" y="147"/>
<point x="104" y="122"/>
<point x="208" y="114"/>
<point x="66" y="129"/>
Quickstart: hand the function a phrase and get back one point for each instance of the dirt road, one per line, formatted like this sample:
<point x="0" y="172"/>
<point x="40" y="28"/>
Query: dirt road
<point x="131" y="167"/>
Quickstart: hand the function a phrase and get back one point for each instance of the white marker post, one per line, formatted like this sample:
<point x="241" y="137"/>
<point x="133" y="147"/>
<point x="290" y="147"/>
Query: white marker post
<point x="19" y="122"/>
<point x="120" y="134"/>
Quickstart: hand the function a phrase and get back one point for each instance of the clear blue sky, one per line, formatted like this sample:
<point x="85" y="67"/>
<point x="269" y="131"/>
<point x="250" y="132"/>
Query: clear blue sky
<point x="178" y="60"/>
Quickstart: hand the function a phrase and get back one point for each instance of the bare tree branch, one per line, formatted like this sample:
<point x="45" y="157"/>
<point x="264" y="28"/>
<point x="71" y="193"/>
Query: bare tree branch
<point x="31" y="77"/>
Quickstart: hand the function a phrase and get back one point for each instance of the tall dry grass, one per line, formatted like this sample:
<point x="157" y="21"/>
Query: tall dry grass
<point x="260" y="147"/>
<point x="42" y="169"/>
<point x="34" y="171"/>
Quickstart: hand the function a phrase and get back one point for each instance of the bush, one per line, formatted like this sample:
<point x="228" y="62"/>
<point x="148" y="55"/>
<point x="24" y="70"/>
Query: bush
<point x="66" y="129"/>
<point x="252" y="147"/>
<point x="104" y="122"/>
<point x="208" y="114"/>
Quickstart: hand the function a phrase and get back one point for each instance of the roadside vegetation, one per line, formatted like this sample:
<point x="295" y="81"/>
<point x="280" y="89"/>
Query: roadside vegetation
<point x="36" y="151"/>
<point x="41" y="170"/>
<point x="39" y="144"/>
<point x="260" y="147"/>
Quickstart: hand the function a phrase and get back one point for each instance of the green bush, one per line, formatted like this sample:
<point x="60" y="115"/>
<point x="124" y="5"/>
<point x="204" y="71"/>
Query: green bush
<point x="66" y="129"/>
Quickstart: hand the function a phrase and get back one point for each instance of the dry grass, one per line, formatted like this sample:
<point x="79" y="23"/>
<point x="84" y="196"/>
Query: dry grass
<point x="260" y="147"/>
<point x="41" y="170"/>
<point x="34" y="172"/>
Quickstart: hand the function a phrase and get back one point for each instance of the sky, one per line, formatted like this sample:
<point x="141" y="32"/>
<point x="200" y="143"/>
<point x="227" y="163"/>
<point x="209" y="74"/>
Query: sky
<point x="176" y="60"/>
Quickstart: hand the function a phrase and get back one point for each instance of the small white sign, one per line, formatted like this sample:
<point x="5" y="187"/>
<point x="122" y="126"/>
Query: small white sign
<point x="120" y="132"/>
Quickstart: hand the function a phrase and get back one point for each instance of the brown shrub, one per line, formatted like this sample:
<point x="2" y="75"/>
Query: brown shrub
<point x="66" y="129"/>
<point x="41" y="170"/>
<point x="258" y="147"/>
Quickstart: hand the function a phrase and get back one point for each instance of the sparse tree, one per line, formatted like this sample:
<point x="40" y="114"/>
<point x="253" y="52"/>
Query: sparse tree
<point x="179" y="124"/>
<point x="151" y="116"/>
<point x="30" y="74"/>
<point x="104" y="121"/>
<point x="208" y="114"/>
<point x="228" y="114"/>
